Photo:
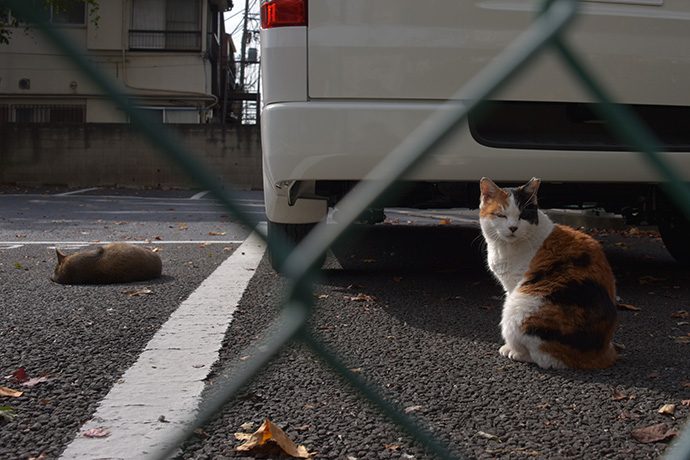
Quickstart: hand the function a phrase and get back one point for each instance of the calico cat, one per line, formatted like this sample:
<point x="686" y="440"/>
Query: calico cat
<point x="560" y="308"/>
<point x="112" y="263"/>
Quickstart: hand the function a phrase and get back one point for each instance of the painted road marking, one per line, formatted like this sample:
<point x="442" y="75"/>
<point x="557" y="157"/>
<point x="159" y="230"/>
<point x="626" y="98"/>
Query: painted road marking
<point x="75" y="192"/>
<point x="168" y="378"/>
<point x="60" y="244"/>
<point x="199" y="195"/>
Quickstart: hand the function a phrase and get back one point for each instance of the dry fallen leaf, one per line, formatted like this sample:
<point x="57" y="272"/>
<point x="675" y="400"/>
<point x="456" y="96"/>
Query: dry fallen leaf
<point x="134" y="292"/>
<point x="667" y="409"/>
<point x="617" y="395"/>
<point x="10" y="393"/>
<point x="361" y="298"/>
<point x="36" y="380"/>
<point x="216" y="233"/>
<point x="100" y="432"/>
<point x="270" y="432"/>
<point x="625" y="306"/>
<point x="485" y="435"/>
<point x="654" y="433"/>
<point x="20" y="375"/>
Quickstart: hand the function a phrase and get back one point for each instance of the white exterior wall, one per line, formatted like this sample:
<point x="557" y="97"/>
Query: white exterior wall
<point x="154" y="79"/>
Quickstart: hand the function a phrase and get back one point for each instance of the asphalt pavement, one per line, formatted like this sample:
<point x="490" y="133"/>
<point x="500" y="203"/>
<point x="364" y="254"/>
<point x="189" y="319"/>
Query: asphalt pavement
<point x="407" y="306"/>
<point x="412" y="310"/>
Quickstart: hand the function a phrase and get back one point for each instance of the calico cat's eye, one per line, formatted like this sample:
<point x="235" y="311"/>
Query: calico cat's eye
<point x="498" y="214"/>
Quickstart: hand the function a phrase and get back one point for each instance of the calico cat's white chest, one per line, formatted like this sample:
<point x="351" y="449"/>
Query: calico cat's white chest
<point x="509" y="263"/>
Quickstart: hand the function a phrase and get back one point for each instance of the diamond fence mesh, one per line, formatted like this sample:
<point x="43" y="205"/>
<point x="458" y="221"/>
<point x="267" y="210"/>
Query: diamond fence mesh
<point x="547" y="31"/>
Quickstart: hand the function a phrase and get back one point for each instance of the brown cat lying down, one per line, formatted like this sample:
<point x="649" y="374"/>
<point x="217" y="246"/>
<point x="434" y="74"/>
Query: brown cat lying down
<point x="113" y="263"/>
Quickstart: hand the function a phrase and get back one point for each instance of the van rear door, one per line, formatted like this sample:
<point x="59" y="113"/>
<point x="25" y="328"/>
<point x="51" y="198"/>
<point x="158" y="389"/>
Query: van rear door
<point x="412" y="50"/>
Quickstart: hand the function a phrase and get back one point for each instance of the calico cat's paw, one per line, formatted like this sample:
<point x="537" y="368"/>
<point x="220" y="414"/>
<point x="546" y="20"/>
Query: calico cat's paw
<point x="508" y="352"/>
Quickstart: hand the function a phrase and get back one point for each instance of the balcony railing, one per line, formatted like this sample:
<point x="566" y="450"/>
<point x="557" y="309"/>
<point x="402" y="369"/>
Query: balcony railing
<point x="41" y="113"/>
<point x="165" y="40"/>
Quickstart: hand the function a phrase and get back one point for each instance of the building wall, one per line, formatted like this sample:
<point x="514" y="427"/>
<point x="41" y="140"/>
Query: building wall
<point x="156" y="79"/>
<point x="96" y="154"/>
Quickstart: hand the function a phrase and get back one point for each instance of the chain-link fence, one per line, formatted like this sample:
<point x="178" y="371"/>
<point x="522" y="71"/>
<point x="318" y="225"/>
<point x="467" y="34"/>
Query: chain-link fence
<point x="547" y="31"/>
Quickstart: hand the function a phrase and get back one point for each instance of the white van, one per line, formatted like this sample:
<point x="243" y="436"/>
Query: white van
<point x="345" y="81"/>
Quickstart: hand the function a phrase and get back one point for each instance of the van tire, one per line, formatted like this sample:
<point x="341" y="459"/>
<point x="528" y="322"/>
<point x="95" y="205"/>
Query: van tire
<point x="286" y="236"/>
<point x="675" y="231"/>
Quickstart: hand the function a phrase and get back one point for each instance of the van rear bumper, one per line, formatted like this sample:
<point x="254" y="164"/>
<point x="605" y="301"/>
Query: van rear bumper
<point x="344" y="140"/>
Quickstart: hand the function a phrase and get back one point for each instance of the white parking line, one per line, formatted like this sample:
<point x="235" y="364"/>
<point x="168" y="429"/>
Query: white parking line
<point x="75" y="192"/>
<point x="62" y="244"/>
<point x="161" y="392"/>
<point x="199" y="195"/>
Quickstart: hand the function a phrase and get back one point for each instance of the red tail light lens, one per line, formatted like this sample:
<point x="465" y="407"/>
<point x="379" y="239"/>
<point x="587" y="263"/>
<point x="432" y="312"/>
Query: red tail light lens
<point x="284" y="13"/>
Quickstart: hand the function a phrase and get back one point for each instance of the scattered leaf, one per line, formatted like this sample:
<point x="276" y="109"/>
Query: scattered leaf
<point x="20" y="375"/>
<point x="668" y="409"/>
<point x="40" y="457"/>
<point x="18" y="265"/>
<point x="617" y="395"/>
<point x="216" y="233"/>
<point x="485" y="435"/>
<point x="247" y="426"/>
<point x="135" y="292"/>
<point x="625" y="306"/>
<point x="361" y="298"/>
<point x="36" y="380"/>
<point x="270" y="432"/>
<point x="100" y="432"/>
<point x="445" y="222"/>
<point x="7" y="414"/>
<point x="391" y="446"/>
<point x="680" y="314"/>
<point x="650" y="279"/>
<point x="654" y="433"/>
<point x="10" y="393"/>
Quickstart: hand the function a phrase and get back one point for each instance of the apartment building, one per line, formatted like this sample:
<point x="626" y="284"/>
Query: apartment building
<point x="171" y="57"/>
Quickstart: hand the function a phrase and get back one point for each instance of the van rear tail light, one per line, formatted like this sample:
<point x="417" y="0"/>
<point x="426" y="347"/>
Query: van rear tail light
<point x="284" y="13"/>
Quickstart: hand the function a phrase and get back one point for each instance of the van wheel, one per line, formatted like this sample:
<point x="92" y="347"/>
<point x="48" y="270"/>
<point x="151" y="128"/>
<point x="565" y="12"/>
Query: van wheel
<point x="675" y="231"/>
<point x="282" y="238"/>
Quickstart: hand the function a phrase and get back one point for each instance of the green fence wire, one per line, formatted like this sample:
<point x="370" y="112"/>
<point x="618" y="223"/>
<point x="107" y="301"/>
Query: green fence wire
<point x="547" y="31"/>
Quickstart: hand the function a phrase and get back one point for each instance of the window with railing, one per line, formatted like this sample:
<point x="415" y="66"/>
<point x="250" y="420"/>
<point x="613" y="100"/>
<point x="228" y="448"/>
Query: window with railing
<point x="166" y="25"/>
<point x="38" y="113"/>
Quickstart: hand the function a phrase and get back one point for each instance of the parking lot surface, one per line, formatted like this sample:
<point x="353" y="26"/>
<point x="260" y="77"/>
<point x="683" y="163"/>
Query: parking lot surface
<point x="408" y="306"/>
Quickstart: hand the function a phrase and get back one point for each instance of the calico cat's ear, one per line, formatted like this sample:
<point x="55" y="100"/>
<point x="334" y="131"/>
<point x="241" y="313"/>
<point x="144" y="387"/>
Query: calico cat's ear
<point x="531" y="188"/>
<point x="488" y="188"/>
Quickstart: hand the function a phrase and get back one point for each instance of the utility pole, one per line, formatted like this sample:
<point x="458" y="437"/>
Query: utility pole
<point x="243" y="58"/>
